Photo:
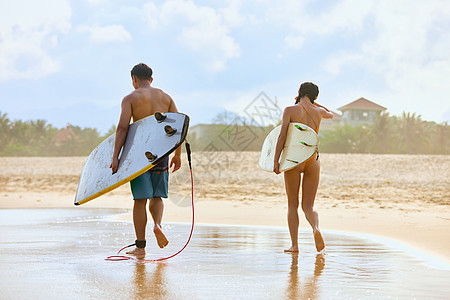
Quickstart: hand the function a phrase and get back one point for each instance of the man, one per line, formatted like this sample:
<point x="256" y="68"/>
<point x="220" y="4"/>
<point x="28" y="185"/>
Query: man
<point x="144" y="101"/>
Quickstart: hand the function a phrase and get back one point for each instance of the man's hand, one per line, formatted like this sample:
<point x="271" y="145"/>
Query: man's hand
<point x="114" y="165"/>
<point x="276" y="168"/>
<point x="176" y="162"/>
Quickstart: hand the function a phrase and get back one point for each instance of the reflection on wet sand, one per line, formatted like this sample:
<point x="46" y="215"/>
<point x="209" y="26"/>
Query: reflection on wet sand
<point x="62" y="252"/>
<point x="151" y="283"/>
<point x="308" y="289"/>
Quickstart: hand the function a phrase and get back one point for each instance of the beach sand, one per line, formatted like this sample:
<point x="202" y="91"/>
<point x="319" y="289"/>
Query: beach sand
<point x="401" y="197"/>
<point x="60" y="254"/>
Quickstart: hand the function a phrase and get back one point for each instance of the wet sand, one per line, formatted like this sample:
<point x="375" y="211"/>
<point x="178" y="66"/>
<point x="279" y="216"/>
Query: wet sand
<point x="59" y="254"/>
<point x="401" y="197"/>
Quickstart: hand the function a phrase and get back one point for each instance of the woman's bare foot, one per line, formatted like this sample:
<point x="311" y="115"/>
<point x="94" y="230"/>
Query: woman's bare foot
<point x="138" y="252"/>
<point x="318" y="239"/>
<point x="160" y="237"/>
<point x="292" y="250"/>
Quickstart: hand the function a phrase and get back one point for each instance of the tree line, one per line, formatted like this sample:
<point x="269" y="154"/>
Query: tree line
<point x="38" y="138"/>
<point x="405" y="134"/>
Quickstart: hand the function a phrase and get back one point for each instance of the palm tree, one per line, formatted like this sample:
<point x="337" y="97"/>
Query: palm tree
<point x="381" y="134"/>
<point x="361" y="139"/>
<point x="338" y="140"/>
<point x="441" y="141"/>
<point x="5" y="131"/>
<point x="42" y="136"/>
<point x="411" y="137"/>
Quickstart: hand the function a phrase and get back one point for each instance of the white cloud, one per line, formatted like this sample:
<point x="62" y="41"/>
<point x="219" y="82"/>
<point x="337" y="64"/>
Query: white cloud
<point x="406" y="43"/>
<point x="294" y="42"/>
<point x="151" y="14"/>
<point x="231" y="14"/>
<point x="29" y="30"/>
<point x="345" y="16"/>
<point x="339" y="60"/>
<point x="410" y="51"/>
<point x="96" y="2"/>
<point x="106" y="34"/>
<point x="202" y="29"/>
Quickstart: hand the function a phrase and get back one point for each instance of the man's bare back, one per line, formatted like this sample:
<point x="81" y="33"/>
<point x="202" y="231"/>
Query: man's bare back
<point x="144" y="101"/>
<point x="147" y="100"/>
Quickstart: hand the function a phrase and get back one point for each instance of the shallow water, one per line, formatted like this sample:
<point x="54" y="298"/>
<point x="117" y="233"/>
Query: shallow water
<point x="59" y="254"/>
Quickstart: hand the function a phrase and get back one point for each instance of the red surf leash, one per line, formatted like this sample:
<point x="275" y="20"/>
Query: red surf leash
<point x="123" y="257"/>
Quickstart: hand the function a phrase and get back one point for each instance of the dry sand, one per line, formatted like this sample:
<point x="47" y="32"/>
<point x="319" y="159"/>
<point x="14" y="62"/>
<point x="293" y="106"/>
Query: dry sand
<point x="401" y="197"/>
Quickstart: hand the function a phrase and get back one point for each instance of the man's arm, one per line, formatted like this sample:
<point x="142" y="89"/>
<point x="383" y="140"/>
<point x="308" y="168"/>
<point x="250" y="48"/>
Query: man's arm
<point x="176" y="159"/>
<point x="121" y="131"/>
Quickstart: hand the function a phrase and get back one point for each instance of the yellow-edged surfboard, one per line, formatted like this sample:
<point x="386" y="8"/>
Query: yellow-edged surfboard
<point x="148" y="142"/>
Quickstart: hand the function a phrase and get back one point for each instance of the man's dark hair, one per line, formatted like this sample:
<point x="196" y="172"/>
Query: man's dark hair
<point x="308" y="89"/>
<point x="142" y="71"/>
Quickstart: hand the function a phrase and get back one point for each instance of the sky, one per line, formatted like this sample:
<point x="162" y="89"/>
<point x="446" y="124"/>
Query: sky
<point x="69" y="61"/>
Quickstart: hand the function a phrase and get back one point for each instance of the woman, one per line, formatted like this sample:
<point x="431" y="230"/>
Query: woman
<point x="307" y="112"/>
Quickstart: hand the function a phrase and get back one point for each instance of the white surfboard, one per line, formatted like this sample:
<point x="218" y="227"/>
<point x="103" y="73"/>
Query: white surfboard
<point x="148" y="142"/>
<point x="301" y="143"/>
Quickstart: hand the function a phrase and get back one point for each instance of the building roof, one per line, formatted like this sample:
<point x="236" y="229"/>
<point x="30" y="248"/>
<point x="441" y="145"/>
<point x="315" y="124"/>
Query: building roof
<point x="64" y="135"/>
<point x="362" y="103"/>
<point x="336" y="116"/>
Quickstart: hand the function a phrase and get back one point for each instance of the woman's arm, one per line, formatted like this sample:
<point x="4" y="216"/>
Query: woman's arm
<point x="281" y="140"/>
<point x="326" y="114"/>
<point x="317" y="104"/>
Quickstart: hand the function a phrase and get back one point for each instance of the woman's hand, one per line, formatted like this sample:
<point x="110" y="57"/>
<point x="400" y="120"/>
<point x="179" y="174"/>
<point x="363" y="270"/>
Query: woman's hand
<point x="317" y="104"/>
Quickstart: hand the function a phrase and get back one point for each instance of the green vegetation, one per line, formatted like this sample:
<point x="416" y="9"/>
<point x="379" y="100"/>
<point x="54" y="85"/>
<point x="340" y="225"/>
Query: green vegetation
<point x="232" y="137"/>
<point x="37" y="138"/>
<point x="407" y="134"/>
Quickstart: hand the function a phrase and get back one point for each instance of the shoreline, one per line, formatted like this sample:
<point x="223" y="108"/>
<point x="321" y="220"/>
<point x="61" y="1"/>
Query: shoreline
<point x="356" y="194"/>
<point x="249" y="260"/>
<point x="434" y="259"/>
<point x="418" y="235"/>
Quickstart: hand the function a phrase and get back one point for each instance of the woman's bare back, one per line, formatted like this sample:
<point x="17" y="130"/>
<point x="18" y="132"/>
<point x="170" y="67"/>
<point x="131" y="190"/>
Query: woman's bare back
<point x="310" y="115"/>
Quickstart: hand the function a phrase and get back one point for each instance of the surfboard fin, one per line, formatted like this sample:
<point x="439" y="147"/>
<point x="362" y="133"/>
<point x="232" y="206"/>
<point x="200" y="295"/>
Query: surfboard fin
<point x="169" y="130"/>
<point x="159" y="117"/>
<point x="150" y="156"/>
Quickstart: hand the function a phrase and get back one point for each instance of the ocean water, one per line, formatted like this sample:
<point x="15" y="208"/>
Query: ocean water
<point x="59" y="254"/>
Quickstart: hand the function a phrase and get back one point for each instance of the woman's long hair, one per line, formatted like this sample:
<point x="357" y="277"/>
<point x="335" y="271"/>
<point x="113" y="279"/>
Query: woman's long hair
<point x="308" y="89"/>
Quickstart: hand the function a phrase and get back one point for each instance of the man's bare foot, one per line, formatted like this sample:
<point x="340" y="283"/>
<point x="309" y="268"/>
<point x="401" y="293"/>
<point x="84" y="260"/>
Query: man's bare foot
<point x="160" y="237"/>
<point x="292" y="250"/>
<point x="318" y="239"/>
<point x="138" y="252"/>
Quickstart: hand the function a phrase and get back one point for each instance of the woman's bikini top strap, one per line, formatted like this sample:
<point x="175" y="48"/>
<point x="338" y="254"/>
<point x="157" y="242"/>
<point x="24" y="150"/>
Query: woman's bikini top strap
<point x="307" y="111"/>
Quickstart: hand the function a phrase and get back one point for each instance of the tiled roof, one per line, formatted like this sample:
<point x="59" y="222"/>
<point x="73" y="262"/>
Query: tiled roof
<point x="362" y="103"/>
<point x="336" y="116"/>
<point x="65" y="134"/>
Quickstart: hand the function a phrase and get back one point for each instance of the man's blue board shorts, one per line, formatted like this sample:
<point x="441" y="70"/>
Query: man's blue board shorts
<point x="153" y="183"/>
